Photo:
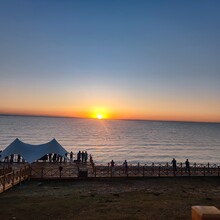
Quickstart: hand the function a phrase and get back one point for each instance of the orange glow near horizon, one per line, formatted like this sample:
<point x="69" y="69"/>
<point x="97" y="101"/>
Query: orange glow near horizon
<point x="107" y="113"/>
<point x="99" y="113"/>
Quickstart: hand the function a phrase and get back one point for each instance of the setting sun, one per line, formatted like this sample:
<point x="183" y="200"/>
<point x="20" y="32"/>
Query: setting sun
<point x="99" y="112"/>
<point x="99" y="116"/>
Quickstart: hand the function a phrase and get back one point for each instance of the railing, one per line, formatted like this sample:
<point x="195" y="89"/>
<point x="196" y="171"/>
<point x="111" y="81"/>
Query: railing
<point x="5" y="169"/>
<point x="155" y="170"/>
<point x="12" y="176"/>
<point x="54" y="170"/>
<point x="9" y="179"/>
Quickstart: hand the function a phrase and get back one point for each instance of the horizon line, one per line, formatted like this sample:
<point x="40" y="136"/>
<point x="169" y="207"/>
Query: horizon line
<point x="122" y="119"/>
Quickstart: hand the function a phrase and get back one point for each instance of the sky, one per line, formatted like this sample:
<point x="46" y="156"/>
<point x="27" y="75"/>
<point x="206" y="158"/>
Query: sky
<point x="123" y="59"/>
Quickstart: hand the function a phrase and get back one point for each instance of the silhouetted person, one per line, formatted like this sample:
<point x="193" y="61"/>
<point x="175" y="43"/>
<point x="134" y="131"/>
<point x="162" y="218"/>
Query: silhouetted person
<point x="12" y="158"/>
<point x="174" y="164"/>
<point x="71" y="156"/>
<point x="19" y="158"/>
<point x="112" y="167"/>
<point x="86" y="156"/>
<point x="54" y="157"/>
<point x="125" y="164"/>
<point x="50" y="157"/>
<point x="83" y="157"/>
<point x="187" y="168"/>
<point x="112" y="163"/>
<point x="79" y="156"/>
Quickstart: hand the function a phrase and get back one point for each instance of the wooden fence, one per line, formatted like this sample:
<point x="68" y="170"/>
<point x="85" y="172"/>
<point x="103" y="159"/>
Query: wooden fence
<point x="156" y="170"/>
<point x="153" y="170"/>
<point x="12" y="175"/>
<point x="16" y="176"/>
<point x="54" y="170"/>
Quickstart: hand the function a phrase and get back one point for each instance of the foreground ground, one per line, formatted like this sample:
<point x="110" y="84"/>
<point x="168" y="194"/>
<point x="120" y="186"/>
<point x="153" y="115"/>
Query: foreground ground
<point x="151" y="198"/>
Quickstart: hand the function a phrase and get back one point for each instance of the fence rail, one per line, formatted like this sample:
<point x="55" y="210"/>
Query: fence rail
<point x="10" y="179"/>
<point x="156" y="170"/>
<point x="10" y="176"/>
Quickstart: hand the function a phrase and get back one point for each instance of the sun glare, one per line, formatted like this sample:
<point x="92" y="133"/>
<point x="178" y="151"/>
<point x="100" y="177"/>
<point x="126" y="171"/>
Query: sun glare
<point x="99" y="113"/>
<point x="99" y="116"/>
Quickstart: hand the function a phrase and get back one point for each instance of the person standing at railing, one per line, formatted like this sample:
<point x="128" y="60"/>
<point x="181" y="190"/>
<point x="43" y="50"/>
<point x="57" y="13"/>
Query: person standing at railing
<point x="71" y="156"/>
<point x="79" y="154"/>
<point x="187" y="168"/>
<point x="174" y="164"/>
<point x="125" y="165"/>
<point x="112" y="167"/>
<point x="83" y="156"/>
<point x="112" y="163"/>
<point x="19" y="158"/>
<point x="86" y="156"/>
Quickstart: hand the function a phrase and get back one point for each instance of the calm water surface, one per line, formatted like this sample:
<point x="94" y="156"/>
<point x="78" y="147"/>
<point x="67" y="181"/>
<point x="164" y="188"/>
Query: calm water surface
<point x="136" y="141"/>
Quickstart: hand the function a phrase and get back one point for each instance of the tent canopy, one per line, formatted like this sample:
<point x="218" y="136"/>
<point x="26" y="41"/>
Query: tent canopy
<point x="32" y="152"/>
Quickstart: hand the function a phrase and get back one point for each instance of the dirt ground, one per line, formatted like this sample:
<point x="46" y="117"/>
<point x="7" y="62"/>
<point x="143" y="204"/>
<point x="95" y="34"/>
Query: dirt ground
<point x="144" y="198"/>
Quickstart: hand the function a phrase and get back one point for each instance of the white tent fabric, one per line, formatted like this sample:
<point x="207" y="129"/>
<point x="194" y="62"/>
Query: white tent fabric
<point x="32" y="152"/>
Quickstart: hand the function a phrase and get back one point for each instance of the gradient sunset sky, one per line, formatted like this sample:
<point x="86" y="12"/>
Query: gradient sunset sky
<point x="136" y="59"/>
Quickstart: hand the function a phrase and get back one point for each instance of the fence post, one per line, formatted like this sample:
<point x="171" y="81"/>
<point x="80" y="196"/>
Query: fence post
<point x="20" y="176"/>
<point x="159" y="170"/>
<point x="13" y="177"/>
<point x="4" y="182"/>
<point x="143" y="171"/>
<point x="204" y="170"/>
<point x="29" y="173"/>
<point x="42" y="172"/>
<point x="60" y="170"/>
<point x="194" y="169"/>
<point x="152" y="169"/>
<point x="181" y="168"/>
<point x="95" y="171"/>
<point x="208" y="168"/>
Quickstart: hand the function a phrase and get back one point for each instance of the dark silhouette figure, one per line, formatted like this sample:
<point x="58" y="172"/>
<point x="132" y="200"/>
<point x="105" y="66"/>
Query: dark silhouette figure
<point x="86" y="156"/>
<point x="12" y="158"/>
<point x="19" y="158"/>
<point x="50" y="157"/>
<point x="187" y="168"/>
<point x="54" y="157"/>
<point x="112" y="163"/>
<point x="125" y="165"/>
<point x="79" y="156"/>
<point x="83" y="157"/>
<point x="71" y="156"/>
<point x="174" y="164"/>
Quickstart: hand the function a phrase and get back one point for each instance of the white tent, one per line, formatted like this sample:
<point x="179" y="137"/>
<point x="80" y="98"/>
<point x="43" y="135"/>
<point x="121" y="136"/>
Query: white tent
<point x="32" y="152"/>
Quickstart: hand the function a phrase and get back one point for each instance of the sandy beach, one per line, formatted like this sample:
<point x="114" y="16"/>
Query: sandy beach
<point x="144" y="198"/>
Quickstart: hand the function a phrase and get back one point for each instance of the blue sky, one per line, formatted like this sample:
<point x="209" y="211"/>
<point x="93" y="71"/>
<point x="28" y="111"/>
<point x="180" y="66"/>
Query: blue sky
<point x="152" y="59"/>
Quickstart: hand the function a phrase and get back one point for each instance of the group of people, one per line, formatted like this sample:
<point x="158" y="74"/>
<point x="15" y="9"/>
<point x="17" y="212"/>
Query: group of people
<point x="187" y="165"/>
<point x="54" y="158"/>
<point x="125" y="166"/>
<point x="13" y="158"/>
<point x="51" y="157"/>
<point x="82" y="156"/>
<point x="125" y="163"/>
<point x="174" y="164"/>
